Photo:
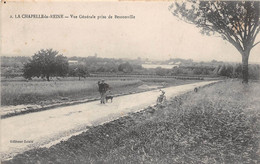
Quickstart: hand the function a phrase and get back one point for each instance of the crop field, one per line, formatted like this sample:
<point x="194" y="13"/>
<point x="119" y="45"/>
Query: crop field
<point x="15" y="92"/>
<point x="218" y="124"/>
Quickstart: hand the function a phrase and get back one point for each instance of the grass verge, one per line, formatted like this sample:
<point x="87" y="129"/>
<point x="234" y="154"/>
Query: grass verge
<point x="218" y="124"/>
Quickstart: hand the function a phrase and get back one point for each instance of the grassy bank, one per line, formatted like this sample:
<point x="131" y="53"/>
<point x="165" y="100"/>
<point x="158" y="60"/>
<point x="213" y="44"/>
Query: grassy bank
<point x="218" y="124"/>
<point x="44" y="92"/>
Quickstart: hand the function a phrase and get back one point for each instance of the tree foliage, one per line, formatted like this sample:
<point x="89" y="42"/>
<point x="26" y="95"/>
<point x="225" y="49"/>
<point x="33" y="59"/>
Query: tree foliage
<point x="46" y="63"/>
<point x="235" y="21"/>
<point x="235" y="71"/>
<point x="161" y="71"/>
<point x="125" y="67"/>
<point x="78" y="71"/>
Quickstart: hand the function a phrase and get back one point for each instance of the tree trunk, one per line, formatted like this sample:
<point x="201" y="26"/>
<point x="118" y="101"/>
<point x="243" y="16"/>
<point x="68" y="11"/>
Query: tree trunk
<point x="245" y="57"/>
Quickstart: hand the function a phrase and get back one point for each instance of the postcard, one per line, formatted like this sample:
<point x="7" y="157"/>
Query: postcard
<point x="130" y="81"/>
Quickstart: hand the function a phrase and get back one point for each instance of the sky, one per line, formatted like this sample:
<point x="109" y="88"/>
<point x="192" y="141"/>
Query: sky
<point x="154" y="33"/>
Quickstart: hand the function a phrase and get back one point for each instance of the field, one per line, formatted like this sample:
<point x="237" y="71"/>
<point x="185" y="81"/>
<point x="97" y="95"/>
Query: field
<point x="218" y="124"/>
<point x="16" y="92"/>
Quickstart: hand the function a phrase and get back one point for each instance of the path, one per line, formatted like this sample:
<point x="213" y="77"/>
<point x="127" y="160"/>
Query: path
<point x="24" y="132"/>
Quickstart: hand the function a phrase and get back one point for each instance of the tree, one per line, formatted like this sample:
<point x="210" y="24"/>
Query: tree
<point x="125" y="67"/>
<point x="46" y="63"/>
<point x="161" y="72"/>
<point x="235" y="21"/>
<point x="78" y="71"/>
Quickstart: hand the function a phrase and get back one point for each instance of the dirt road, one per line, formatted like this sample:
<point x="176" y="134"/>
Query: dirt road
<point x="24" y="132"/>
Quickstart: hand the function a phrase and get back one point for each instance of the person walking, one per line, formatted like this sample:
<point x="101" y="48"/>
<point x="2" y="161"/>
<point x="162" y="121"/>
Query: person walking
<point x="102" y="88"/>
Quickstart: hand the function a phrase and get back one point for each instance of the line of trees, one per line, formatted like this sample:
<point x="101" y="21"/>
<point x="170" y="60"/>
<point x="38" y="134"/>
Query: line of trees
<point x="227" y="70"/>
<point x="235" y="71"/>
<point x="48" y="63"/>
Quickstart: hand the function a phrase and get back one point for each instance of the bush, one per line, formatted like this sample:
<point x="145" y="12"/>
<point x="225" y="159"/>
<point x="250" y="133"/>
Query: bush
<point x="161" y="72"/>
<point x="125" y="67"/>
<point x="226" y="70"/>
<point x="254" y="72"/>
<point x="235" y="71"/>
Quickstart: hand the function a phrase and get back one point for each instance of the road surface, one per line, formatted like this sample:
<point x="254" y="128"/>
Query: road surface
<point x="24" y="132"/>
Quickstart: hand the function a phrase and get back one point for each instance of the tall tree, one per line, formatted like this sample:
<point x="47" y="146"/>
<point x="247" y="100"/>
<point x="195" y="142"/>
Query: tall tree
<point x="46" y="63"/>
<point x="235" y="21"/>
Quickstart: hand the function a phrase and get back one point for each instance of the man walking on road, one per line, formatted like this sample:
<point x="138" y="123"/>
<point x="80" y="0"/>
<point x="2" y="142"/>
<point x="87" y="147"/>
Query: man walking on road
<point x="102" y="88"/>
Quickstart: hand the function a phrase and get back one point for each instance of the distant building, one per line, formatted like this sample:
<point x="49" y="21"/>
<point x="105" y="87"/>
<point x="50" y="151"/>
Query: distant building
<point x="166" y="66"/>
<point x="73" y="62"/>
<point x="177" y="64"/>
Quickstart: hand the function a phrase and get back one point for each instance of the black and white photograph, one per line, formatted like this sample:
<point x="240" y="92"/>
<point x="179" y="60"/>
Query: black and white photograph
<point x="130" y="81"/>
